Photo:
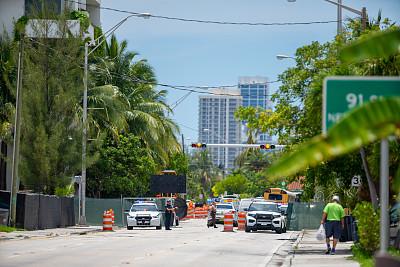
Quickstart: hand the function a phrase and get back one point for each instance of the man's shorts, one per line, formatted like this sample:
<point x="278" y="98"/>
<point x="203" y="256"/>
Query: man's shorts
<point x="333" y="228"/>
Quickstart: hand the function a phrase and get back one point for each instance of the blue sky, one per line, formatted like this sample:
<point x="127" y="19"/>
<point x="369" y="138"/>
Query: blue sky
<point x="190" y="53"/>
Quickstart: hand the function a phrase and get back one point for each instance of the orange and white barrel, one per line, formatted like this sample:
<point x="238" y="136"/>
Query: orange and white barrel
<point x="228" y="222"/>
<point x="197" y="213"/>
<point x="107" y="221"/>
<point x="112" y="217"/>
<point x="190" y="213"/>
<point x="241" y="220"/>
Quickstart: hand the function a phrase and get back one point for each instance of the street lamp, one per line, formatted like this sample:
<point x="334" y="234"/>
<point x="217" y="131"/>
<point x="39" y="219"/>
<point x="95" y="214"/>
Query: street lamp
<point x="82" y="218"/>
<point x="280" y="57"/>
<point x="362" y="13"/>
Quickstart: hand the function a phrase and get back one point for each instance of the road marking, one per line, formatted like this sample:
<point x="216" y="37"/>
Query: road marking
<point x="13" y="256"/>
<point x="139" y="258"/>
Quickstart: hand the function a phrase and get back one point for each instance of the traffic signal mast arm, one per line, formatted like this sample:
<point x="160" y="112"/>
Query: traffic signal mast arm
<point x="244" y="145"/>
<point x="261" y="146"/>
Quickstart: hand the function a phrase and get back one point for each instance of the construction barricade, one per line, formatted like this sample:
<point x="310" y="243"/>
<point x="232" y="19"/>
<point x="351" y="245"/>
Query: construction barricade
<point x="190" y="214"/>
<point x="241" y="220"/>
<point x="204" y="214"/>
<point x="197" y="213"/>
<point x="107" y="221"/>
<point x="228" y="222"/>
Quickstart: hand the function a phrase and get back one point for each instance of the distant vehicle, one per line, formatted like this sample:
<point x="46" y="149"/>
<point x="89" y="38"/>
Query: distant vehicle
<point x="263" y="215"/>
<point x="394" y="214"/>
<point x="223" y="209"/>
<point x="168" y="172"/>
<point x="245" y="203"/>
<point x="284" y="208"/>
<point x="279" y="195"/>
<point x="144" y="215"/>
<point x="231" y="199"/>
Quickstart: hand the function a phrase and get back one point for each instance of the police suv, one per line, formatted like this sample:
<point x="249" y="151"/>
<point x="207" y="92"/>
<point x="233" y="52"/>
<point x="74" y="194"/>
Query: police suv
<point x="144" y="215"/>
<point x="263" y="215"/>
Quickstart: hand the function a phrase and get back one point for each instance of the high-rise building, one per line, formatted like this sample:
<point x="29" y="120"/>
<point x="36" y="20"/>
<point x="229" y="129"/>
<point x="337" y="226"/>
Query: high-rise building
<point x="217" y="124"/>
<point x="255" y="91"/>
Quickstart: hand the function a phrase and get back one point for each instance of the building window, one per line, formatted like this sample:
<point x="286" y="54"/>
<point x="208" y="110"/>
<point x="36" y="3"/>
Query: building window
<point x="34" y="7"/>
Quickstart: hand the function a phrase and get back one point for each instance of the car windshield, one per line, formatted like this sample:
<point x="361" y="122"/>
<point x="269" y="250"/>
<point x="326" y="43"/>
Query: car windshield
<point x="144" y="208"/>
<point x="224" y="207"/>
<point x="264" y="207"/>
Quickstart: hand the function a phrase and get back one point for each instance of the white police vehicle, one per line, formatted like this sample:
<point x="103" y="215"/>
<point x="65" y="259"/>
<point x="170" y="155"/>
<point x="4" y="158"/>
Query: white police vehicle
<point x="223" y="209"/>
<point x="144" y="215"/>
<point x="263" y="215"/>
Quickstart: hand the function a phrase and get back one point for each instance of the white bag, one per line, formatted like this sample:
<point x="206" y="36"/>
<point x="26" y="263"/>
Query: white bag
<point x="321" y="233"/>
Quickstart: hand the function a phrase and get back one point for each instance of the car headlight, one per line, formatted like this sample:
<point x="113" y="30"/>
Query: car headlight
<point x="131" y="217"/>
<point x="277" y="216"/>
<point x="251" y="215"/>
<point x="158" y="215"/>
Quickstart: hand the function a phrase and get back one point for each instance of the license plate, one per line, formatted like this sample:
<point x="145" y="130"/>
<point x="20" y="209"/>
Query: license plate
<point x="264" y="223"/>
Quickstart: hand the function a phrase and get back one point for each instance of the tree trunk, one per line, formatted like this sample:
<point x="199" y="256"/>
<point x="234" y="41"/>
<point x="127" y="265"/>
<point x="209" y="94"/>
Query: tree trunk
<point x="371" y="185"/>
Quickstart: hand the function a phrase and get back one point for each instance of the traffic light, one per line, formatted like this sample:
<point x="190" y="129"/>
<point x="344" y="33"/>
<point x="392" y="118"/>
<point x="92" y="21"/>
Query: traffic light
<point x="199" y="145"/>
<point x="267" y="146"/>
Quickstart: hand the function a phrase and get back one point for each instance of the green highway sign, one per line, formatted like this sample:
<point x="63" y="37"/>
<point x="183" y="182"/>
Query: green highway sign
<point x="342" y="93"/>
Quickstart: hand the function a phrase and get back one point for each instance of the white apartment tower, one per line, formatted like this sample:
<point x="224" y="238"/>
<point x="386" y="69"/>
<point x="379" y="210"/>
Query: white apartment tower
<point x="255" y="93"/>
<point x="217" y="124"/>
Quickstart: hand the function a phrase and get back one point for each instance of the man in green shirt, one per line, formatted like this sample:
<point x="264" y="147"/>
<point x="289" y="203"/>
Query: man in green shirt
<point x="334" y="215"/>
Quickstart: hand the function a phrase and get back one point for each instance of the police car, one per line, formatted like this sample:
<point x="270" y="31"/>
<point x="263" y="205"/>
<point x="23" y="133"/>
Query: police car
<point x="223" y="209"/>
<point x="263" y="215"/>
<point x="144" y="215"/>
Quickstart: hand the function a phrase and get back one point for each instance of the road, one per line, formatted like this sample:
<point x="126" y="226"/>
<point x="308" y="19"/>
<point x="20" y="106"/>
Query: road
<point x="190" y="244"/>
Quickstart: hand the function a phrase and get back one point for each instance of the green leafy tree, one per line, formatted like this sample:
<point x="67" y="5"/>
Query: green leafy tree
<point x="179" y="163"/>
<point x="299" y="104"/>
<point x="52" y="89"/>
<point x="145" y="113"/>
<point x="123" y="168"/>
<point x="235" y="183"/>
<point x="8" y="76"/>
<point x="368" y="226"/>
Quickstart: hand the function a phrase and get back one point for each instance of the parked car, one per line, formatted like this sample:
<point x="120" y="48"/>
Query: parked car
<point x="144" y="215"/>
<point x="263" y="215"/>
<point x="394" y="214"/>
<point x="223" y="209"/>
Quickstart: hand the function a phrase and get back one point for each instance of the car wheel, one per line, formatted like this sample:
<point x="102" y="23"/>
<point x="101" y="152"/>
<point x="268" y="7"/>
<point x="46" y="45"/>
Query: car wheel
<point x="129" y="227"/>
<point x="246" y="229"/>
<point x="235" y="224"/>
<point x="158" y="227"/>
<point x="279" y="230"/>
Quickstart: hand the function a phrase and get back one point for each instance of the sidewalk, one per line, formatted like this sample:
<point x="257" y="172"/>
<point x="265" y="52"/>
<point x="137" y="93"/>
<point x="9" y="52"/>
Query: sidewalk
<point x="73" y="230"/>
<point x="308" y="251"/>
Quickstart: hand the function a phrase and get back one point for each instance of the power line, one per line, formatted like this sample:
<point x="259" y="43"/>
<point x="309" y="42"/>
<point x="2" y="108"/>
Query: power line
<point x="134" y="79"/>
<point x="213" y="22"/>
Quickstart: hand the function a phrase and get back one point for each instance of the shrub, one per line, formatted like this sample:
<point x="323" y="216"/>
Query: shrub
<point x="368" y="226"/>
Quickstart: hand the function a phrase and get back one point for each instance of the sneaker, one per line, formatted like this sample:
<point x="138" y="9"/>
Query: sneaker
<point x="333" y="252"/>
<point x="328" y="250"/>
<point x="215" y="227"/>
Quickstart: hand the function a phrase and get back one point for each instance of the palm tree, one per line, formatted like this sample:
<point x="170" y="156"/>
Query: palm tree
<point x="144" y="112"/>
<point x="248" y="151"/>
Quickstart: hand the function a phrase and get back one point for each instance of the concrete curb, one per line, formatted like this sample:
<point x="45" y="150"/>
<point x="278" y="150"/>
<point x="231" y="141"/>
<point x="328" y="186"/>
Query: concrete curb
<point x="48" y="233"/>
<point x="288" y="259"/>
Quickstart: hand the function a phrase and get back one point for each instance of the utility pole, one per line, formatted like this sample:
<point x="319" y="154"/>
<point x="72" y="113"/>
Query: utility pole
<point x="183" y="146"/>
<point x="17" y="134"/>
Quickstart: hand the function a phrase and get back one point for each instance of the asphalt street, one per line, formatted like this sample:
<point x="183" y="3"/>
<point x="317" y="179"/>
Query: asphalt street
<point x="189" y="244"/>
